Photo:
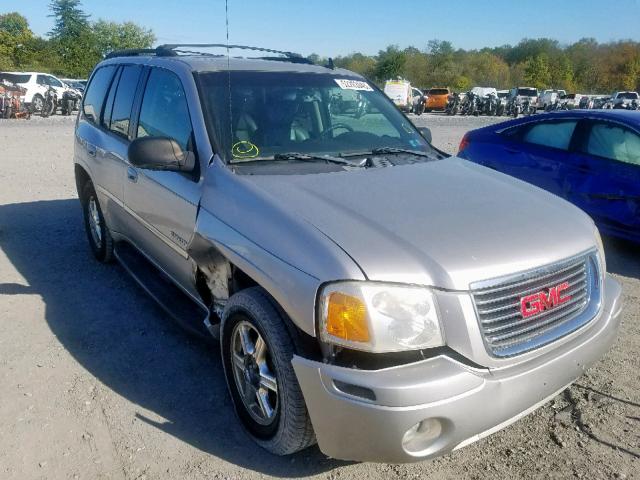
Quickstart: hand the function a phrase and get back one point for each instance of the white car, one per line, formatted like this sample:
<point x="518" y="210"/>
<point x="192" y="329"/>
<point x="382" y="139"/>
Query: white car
<point x="400" y="92"/>
<point x="36" y="84"/>
<point x="549" y="97"/>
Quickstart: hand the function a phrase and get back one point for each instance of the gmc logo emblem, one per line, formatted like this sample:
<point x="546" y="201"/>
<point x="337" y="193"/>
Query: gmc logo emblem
<point x="541" y="301"/>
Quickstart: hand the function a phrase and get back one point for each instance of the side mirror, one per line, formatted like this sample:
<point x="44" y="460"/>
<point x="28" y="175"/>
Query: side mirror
<point x="426" y="133"/>
<point x="160" y="153"/>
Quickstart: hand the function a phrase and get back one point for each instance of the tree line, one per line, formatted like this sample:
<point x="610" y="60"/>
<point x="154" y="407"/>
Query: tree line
<point x="585" y="66"/>
<point x="74" y="45"/>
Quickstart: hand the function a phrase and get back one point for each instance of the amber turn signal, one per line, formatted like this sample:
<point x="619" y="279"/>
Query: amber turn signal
<point x="347" y="318"/>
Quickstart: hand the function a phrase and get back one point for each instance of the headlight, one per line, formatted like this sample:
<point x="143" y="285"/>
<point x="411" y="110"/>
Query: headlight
<point x="378" y="317"/>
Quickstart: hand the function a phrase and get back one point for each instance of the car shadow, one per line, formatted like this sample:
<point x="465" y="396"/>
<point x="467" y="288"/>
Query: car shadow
<point x="107" y="323"/>
<point x="622" y="257"/>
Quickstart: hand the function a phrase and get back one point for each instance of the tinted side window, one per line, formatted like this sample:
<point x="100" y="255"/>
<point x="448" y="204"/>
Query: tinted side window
<point x="123" y="102"/>
<point x="41" y="80"/>
<point x="54" y="81"/>
<point x="614" y="142"/>
<point x="164" y="111"/>
<point x="95" y="93"/>
<point x="551" y="134"/>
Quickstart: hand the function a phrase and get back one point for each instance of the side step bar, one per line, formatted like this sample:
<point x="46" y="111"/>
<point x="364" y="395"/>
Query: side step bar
<point x="189" y="314"/>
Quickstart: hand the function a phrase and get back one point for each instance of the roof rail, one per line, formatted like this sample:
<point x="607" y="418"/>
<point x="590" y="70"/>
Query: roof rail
<point x="174" y="49"/>
<point x="176" y="46"/>
<point x="136" y="52"/>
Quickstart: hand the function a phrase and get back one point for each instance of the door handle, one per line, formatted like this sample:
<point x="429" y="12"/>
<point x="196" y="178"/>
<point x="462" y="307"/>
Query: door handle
<point x="91" y="149"/>
<point x="132" y="175"/>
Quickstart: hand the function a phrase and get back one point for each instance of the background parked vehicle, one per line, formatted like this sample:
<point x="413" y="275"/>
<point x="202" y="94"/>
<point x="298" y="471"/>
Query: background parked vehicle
<point x="69" y="102"/>
<point x="549" y="97"/>
<point x="419" y="101"/>
<point x="623" y="99"/>
<point x="400" y="92"/>
<point x="520" y="94"/>
<point x="76" y="84"/>
<point x="453" y="103"/>
<point x="10" y="103"/>
<point x="49" y="102"/>
<point x="36" y="85"/>
<point x="503" y="97"/>
<point x="437" y="98"/>
<point x="590" y="158"/>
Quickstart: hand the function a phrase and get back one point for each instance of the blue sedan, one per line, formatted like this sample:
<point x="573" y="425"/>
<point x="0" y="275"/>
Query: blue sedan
<point x="589" y="157"/>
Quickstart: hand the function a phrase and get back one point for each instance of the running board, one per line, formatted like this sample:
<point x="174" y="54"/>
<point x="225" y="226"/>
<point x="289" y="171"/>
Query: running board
<point x="189" y="314"/>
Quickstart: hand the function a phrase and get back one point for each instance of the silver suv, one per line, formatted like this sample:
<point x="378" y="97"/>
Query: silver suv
<point x="367" y="291"/>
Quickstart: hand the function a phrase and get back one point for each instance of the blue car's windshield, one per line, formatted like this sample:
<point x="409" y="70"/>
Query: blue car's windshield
<point x="256" y="115"/>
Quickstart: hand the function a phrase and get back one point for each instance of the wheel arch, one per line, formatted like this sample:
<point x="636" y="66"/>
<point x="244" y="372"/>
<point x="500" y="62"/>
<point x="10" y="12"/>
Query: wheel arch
<point x="82" y="176"/>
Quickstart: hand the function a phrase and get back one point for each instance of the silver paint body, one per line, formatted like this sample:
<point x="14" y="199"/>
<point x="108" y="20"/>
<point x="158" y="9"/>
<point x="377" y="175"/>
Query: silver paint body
<point x="443" y="224"/>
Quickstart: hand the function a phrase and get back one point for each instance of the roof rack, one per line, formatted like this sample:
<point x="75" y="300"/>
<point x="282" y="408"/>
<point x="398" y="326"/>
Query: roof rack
<point x="175" y="49"/>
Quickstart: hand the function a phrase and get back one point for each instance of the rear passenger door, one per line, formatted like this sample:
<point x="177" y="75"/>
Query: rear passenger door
<point x="164" y="204"/>
<point x="115" y="123"/>
<point x="607" y="180"/>
<point x="538" y="153"/>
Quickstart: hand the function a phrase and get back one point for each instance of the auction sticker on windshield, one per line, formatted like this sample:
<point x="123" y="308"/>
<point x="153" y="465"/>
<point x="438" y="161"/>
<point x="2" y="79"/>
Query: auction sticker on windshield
<point x="347" y="84"/>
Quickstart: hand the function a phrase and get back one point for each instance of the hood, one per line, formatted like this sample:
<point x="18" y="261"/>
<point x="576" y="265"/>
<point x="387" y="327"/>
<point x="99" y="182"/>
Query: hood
<point x="444" y="223"/>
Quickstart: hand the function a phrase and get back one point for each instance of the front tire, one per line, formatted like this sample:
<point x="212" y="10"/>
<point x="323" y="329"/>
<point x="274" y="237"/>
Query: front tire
<point x="256" y="354"/>
<point x="98" y="233"/>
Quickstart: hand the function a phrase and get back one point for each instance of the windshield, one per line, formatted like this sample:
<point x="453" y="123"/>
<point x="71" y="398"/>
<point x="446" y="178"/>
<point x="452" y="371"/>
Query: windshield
<point x="275" y="113"/>
<point x="527" y="92"/>
<point x="438" y="91"/>
<point x="15" y="78"/>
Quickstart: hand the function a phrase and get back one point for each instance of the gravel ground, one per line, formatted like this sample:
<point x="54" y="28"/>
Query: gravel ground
<point x="96" y="383"/>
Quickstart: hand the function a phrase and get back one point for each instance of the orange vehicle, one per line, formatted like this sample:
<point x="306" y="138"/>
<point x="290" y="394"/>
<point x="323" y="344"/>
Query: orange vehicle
<point x="437" y="98"/>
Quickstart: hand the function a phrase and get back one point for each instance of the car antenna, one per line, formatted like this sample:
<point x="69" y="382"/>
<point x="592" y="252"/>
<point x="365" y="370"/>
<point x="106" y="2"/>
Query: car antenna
<point x="226" y="14"/>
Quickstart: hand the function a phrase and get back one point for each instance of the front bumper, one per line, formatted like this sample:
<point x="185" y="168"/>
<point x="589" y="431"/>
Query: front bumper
<point x="465" y="403"/>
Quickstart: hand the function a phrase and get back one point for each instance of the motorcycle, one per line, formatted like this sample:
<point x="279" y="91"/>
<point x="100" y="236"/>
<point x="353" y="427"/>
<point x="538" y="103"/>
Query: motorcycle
<point x="453" y="104"/>
<point x="471" y="105"/>
<point x="514" y="108"/>
<point x="527" y="107"/>
<point x="50" y="103"/>
<point x="68" y="102"/>
<point x="490" y="104"/>
<point x="557" y="105"/>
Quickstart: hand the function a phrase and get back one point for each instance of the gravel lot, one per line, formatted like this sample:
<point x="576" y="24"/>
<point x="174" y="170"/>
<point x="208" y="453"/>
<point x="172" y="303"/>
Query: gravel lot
<point x="96" y="383"/>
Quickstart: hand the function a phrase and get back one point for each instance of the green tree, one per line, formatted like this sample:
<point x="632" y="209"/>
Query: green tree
<point x="69" y="19"/>
<point x="110" y="36"/>
<point x="536" y="72"/>
<point x="72" y="38"/>
<point x="15" y="25"/>
<point x="390" y="63"/>
<point x="14" y="34"/>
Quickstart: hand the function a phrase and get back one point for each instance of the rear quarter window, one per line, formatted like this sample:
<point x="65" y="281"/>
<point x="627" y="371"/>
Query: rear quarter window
<point x="95" y="93"/>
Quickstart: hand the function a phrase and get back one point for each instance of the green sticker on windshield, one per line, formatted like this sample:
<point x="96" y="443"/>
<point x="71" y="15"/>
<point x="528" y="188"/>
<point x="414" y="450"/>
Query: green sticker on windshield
<point x="244" y="149"/>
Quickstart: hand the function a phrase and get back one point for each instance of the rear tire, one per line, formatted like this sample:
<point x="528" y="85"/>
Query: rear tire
<point x="37" y="103"/>
<point x="256" y="355"/>
<point x="98" y="233"/>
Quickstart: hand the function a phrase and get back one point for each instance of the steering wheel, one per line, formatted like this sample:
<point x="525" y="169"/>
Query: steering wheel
<point x="327" y="131"/>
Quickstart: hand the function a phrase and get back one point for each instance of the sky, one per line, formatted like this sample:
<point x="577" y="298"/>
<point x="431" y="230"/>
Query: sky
<point x="338" y="27"/>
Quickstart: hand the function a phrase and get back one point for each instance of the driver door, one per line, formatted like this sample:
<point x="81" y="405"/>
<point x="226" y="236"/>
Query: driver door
<point x="163" y="204"/>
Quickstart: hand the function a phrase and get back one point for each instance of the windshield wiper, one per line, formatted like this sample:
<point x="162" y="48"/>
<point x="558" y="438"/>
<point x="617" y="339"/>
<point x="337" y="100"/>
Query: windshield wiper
<point x="324" y="158"/>
<point x="388" y="151"/>
<point x="393" y="150"/>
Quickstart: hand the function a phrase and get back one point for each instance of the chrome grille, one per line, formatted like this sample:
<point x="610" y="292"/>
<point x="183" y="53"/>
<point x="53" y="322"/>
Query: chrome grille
<point x="508" y="332"/>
